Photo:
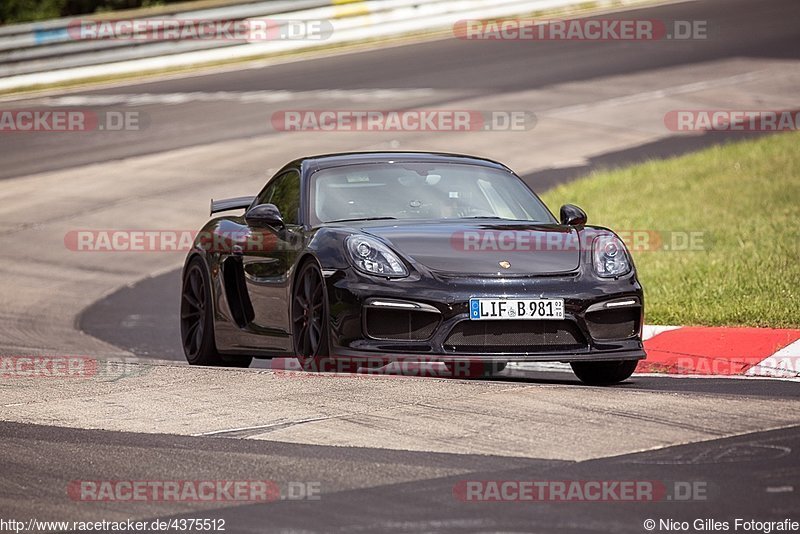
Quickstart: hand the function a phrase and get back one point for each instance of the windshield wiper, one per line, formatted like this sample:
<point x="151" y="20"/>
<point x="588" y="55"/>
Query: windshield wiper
<point x="496" y="218"/>
<point x="364" y="219"/>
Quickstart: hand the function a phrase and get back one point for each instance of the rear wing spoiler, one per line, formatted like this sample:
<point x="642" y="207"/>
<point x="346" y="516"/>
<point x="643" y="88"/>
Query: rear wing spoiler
<point x="225" y="204"/>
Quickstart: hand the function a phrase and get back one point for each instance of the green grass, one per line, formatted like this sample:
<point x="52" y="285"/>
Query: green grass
<point x="744" y="197"/>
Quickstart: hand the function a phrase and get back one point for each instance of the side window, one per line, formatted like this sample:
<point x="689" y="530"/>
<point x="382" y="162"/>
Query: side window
<point x="284" y="192"/>
<point x="265" y="194"/>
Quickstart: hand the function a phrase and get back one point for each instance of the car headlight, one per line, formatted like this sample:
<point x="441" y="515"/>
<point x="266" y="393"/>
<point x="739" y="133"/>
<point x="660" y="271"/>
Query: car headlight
<point x="373" y="257"/>
<point x="610" y="257"/>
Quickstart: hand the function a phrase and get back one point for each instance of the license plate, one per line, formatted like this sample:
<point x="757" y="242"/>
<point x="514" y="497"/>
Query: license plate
<point x="481" y="309"/>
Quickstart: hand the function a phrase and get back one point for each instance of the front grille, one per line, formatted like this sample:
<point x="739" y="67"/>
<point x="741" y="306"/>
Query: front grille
<point x="514" y="336"/>
<point x="621" y="323"/>
<point x="400" y="325"/>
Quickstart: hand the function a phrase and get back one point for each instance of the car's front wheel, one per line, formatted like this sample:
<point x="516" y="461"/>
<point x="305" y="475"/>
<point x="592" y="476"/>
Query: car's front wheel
<point x="310" y="324"/>
<point x="604" y="373"/>
<point x="197" y="320"/>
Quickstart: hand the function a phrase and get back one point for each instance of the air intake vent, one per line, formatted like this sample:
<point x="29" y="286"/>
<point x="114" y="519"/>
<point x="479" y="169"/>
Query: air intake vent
<point x="621" y="323"/>
<point x="514" y="336"/>
<point x="400" y="325"/>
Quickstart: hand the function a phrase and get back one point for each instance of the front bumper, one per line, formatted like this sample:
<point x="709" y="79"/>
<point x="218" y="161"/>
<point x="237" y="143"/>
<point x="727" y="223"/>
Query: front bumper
<point x="351" y="296"/>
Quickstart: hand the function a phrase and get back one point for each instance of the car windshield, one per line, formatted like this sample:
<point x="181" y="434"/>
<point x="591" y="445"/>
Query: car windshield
<point x="422" y="191"/>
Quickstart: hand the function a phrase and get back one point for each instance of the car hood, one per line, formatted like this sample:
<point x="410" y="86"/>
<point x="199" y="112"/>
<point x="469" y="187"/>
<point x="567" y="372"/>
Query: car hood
<point x="485" y="247"/>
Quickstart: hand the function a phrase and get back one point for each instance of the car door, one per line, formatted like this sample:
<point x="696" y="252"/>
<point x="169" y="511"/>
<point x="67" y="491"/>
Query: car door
<point x="267" y="262"/>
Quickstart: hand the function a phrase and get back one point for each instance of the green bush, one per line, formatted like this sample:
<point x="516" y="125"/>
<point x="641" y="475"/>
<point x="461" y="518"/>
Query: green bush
<point x="27" y="10"/>
<point x="14" y="11"/>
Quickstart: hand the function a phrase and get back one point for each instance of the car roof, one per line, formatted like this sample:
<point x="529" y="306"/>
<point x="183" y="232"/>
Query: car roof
<point x="312" y="164"/>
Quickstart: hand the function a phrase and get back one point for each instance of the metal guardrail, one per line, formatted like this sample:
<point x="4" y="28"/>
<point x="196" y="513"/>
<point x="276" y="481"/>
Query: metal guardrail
<point x="37" y="47"/>
<point x="54" y="56"/>
<point x="52" y="29"/>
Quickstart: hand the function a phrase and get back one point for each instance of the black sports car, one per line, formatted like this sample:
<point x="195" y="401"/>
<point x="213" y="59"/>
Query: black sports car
<point x="345" y="260"/>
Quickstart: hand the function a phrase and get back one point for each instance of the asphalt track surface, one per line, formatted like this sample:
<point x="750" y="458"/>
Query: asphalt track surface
<point x="736" y="29"/>
<point x="741" y="477"/>
<point x="752" y="476"/>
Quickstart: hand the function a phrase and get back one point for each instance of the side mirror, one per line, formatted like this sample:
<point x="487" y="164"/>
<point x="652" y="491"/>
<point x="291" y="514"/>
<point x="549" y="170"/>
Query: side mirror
<point x="264" y="215"/>
<point x="572" y="215"/>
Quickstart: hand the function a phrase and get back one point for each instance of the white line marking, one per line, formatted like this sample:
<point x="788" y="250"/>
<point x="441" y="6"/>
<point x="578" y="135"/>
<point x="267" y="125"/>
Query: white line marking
<point x="647" y="96"/>
<point x="780" y="489"/>
<point x="242" y="97"/>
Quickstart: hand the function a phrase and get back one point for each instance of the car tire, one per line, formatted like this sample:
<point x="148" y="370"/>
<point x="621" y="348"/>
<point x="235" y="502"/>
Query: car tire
<point x="604" y="373"/>
<point x="474" y="368"/>
<point x="310" y="324"/>
<point x="197" y="320"/>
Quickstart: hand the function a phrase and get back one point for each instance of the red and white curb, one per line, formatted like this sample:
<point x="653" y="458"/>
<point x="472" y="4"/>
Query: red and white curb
<point x="722" y="351"/>
<point x="713" y="352"/>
